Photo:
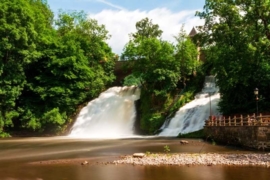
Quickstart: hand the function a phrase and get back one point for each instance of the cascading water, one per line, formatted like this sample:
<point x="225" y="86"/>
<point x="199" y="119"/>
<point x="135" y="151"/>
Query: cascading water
<point x="192" y="116"/>
<point x="111" y="115"/>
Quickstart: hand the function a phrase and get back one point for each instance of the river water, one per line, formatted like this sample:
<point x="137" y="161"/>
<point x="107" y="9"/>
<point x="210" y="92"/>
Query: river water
<point x="112" y="115"/>
<point x="60" y="158"/>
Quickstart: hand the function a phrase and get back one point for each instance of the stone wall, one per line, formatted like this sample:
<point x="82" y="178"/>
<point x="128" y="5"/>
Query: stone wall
<point x="254" y="137"/>
<point x="121" y="71"/>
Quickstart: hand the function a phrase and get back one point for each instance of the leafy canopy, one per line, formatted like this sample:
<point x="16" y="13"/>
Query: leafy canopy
<point x="48" y="66"/>
<point x="159" y="66"/>
<point x="236" y="36"/>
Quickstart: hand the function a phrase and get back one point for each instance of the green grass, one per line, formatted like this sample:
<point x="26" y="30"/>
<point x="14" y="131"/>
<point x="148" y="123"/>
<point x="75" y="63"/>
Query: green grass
<point x="195" y="134"/>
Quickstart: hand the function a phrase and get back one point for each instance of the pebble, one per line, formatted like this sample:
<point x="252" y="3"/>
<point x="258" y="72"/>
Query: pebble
<point x="84" y="163"/>
<point x="209" y="159"/>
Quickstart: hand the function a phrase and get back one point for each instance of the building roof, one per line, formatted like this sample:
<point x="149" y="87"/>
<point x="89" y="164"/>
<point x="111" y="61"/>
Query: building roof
<point x="193" y="32"/>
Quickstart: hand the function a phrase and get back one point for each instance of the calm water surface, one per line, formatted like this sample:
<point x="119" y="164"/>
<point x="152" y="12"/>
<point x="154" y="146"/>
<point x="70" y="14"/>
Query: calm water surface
<point x="59" y="158"/>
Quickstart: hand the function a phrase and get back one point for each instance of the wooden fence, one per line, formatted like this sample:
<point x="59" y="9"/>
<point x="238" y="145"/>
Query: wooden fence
<point x="261" y="120"/>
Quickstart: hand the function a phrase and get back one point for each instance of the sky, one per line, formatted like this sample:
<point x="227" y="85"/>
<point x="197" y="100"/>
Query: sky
<point x="120" y="16"/>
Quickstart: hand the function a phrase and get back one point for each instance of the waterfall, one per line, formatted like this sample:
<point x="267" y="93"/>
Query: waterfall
<point x="191" y="117"/>
<point x="111" y="115"/>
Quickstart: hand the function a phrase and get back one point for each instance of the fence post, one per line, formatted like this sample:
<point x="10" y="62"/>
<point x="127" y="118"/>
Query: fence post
<point x="234" y="121"/>
<point x="261" y="121"/>
<point x="241" y="120"/>
<point x="248" y="120"/>
<point x="229" y="120"/>
<point x="255" y="120"/>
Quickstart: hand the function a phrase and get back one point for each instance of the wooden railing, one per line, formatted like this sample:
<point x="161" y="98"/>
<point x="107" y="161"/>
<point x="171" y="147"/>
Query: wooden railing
<point x="261" y="120"/>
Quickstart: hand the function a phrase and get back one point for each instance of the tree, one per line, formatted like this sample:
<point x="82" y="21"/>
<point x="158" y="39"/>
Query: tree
<point x="21" y="30"/>
<point x="186" y="56"/>
<point x="152" y="58"/>
<point x="159" y="65"/>
<point x="76" y="66"/>
<point x="236" y="35"/>
<point x="146" y="29"/>
<point x="48" y="67"/>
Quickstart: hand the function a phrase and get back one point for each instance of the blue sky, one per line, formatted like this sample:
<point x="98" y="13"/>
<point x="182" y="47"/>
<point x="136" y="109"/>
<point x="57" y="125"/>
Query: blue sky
<point x="95" y="6"/>
<point x="120" y="16"/>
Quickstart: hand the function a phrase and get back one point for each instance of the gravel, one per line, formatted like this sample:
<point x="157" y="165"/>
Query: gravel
<point x="209" y="159"/>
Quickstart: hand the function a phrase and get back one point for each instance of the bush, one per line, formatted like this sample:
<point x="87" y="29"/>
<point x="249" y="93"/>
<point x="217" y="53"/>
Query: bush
<point x="195" y="134"/>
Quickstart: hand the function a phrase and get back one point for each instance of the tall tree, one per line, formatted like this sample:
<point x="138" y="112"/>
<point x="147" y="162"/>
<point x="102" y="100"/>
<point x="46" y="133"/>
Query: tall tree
<point x="152" y="58"/>
<point x="236" y="34"/>
<point x="160" y="66"/>
<point x="21" y="30"/>
<point x="77" y="66"/>
<point x="186" y="54"/>
<point x="146" y="29"/>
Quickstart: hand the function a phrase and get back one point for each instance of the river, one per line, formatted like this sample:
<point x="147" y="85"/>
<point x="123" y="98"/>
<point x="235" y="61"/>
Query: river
<point x="112" y="115"/>
<point x="60" y="158"/>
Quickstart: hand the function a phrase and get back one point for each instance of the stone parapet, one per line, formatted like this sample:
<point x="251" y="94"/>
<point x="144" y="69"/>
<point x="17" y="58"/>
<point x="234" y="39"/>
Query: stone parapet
<point x="254" y="137"/>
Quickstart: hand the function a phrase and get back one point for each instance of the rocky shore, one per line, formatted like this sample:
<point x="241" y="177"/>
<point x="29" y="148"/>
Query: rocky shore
<point x="209" y="159"/>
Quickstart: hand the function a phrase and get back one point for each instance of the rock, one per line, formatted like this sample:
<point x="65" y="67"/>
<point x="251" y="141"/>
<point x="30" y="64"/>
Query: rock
<point x="183" y="142"/>
<point x="138" y="155"/>
<point x="84" y="163"/>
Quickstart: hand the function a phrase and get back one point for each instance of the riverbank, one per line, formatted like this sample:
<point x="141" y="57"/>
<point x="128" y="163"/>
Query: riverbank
<point x="209" y="159"/>
<point x="179" y="159"/>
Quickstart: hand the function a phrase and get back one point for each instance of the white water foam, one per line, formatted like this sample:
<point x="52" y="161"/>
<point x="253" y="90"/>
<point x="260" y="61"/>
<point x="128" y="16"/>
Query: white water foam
<point x="192" y="116"/>
<point x="111" y="115"/>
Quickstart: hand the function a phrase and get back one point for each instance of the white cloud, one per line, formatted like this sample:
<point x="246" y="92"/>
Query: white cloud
<point x="120" y="23"/>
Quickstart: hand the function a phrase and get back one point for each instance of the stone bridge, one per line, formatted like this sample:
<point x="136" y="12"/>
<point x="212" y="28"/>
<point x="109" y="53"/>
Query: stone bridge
<point x="121" y="70"/>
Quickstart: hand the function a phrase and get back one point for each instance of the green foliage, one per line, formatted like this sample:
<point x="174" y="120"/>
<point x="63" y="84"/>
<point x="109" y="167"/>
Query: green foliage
<point x="49" y="67"/>
<point x="4" y="135"/>
<point x="54" y="117"/>
<point x="152" y="122"/>
<point x="186" y="56"/>
<point x="195" y="134"/>
<point x="156" y="109"/>
<point x="147" y="153"/>
<point x="167" y="149"/>
<point x="181" y="101"/>
<point x="152" y="110"/>
<point x="76" y="67"/>
<point x="131" y="80"/>
<point x="146" y="29"/>
<point x="156" y="66"/>
<point x="161" y="67"/>
<point x="23" y="25"/>
<point x="236" y="37"/>
<point x="193" y="86"/>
